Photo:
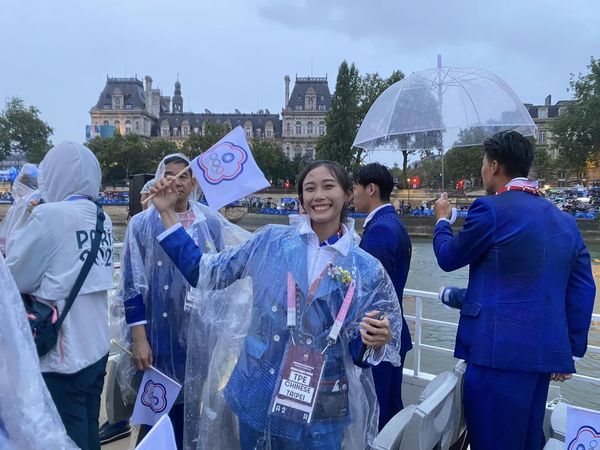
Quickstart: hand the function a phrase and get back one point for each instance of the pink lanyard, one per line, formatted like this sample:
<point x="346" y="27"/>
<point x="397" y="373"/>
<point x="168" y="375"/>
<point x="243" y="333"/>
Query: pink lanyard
<point x="341" y="315"/>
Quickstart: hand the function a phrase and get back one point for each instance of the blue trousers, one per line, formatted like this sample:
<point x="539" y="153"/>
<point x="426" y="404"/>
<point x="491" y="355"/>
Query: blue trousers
<point x="505" y="409"/>
<point x="77" y="399"/>
<point x="388" y="386"/>
<point x="250" y="439"/>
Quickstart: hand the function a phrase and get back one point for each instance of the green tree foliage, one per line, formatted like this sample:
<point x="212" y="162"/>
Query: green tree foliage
<point x="342" y="120"/>
<point x="576" y="133"/>
<point x="270" y="159"/>
<point x="354" y="95"/>
<point x="542" y="163"/>
<point x="22" y="130"/>
<point x="198" y="143"/>
<point x="463" y="163"/>
<point x="123" y="156"/>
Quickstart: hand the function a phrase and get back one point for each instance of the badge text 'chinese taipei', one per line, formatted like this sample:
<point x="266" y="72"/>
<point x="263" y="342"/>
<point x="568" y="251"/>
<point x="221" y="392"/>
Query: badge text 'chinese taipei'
<point x="154" y="396"/>
<point x="225" y="161"/>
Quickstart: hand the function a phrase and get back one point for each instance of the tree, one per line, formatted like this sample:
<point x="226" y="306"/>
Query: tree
<point x="200" y="142"/>
<point x="354" y="95"/>
<point x="576" y="134"/>
<point x="542" y="163"/>
<point x="343" y="118"/>
<point x="270" y="159"/>
<point x="22" y="130"/>
<point x="122" y="156"/>
<point x="463" y="162"/>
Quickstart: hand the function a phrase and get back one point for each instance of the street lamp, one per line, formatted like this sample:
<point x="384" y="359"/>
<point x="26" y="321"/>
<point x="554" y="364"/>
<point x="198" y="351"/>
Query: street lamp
<point x="408" y="185"/>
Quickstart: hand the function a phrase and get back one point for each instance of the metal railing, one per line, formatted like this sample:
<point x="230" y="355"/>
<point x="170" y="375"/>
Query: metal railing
<point x="419" y="346"/>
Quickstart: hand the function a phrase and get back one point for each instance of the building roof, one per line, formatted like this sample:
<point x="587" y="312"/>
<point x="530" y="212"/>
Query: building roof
<point x="132" y="90"/>
<point x="552" y="109"/>
<point x="197" y="119"/>
<point x="298" y="96"/>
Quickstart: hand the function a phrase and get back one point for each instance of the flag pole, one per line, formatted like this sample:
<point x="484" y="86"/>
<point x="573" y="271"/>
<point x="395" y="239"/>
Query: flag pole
<point x="174" y="178"/>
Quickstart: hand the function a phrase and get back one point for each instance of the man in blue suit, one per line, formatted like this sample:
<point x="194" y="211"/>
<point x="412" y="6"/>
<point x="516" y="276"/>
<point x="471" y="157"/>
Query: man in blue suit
<point x="385" y="238"/>
<point x="528" y="305"/>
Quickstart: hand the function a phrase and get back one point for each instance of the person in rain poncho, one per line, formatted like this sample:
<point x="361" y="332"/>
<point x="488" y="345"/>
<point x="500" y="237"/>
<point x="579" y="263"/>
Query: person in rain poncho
<point x="156" y="296"/>
<point x="25" y="193"/>
<point x="28" y="418"/>
<point x="46" y="259"/>
<point x="145" y="192"/>
<point x="294" y="379"/>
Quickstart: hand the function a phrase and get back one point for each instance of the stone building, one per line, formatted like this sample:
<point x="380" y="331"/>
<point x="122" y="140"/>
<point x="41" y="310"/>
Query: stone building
<point x="133" y="108"/>
<point x="303" y="116"/>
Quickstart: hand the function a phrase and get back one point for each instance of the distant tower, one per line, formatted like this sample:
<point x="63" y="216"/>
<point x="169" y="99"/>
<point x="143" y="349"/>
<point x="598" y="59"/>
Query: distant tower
<point x="177" y="99"/>
<point x="287" y="90"/>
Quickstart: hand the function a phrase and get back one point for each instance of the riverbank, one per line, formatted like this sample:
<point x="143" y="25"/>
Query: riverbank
<point x="416" y="226"/>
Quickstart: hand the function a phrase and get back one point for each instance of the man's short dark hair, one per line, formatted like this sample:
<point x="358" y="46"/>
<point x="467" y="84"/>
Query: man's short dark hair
<point x="512" y="150"/>
<point x="377" y="174"/>
<point x="178" y="160"/>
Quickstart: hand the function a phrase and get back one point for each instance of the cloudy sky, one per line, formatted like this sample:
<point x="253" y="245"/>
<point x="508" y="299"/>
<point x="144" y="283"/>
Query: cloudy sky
<point x="234" y="53"/>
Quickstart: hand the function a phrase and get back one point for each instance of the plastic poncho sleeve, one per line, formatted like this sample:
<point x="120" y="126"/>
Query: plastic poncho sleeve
<point x="133" y="279"/>
<point x="33" y="243"/>
<point x="227" y="265"/>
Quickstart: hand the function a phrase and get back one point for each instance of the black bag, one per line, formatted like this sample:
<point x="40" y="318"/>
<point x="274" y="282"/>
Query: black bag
<point x="43" y="319"/>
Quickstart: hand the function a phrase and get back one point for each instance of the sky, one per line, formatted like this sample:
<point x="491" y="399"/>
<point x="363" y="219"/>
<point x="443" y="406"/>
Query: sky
<point x="234" y="54"/>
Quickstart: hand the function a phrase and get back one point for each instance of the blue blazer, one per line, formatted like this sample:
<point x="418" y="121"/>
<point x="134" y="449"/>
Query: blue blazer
<point x="531" y="292"/>
<point x="386" y="238"/>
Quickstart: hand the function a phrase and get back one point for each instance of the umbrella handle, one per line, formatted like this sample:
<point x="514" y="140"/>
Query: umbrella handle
<point x="453" y="216"/>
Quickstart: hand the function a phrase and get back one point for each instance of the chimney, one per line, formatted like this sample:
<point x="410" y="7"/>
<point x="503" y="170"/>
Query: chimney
<point x="287" y="90"/>
<point x="148" y="80"/>
<point x="548" y="101"/>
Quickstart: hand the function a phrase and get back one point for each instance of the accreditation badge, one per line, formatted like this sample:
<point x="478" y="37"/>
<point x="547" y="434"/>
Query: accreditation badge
<point x="298" y="384"/>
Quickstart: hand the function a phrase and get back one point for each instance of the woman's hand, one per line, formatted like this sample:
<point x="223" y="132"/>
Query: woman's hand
<point x="375" y="333"/>
<point x="561" y="376"/>
<point x="141" y="353"/>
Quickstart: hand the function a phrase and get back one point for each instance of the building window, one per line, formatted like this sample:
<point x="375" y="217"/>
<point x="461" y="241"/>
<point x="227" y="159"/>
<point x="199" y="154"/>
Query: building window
<point x="298" y="107"/>
<point x="561" y="111"/>
<point x="185" y="131"/>
<point x="175" y="131"/>
<point x="542" y="136"/>
<point x="309" y="128"/>
<point x="310" y="104"/>
<point x="321" y="107"/>
<point x="321" y="128"/>
<point x="288" y="127"/>
<point x="542" y="113"/>
<point x="196" y="129"/>
<point x="269" y="132"/>
<point x="310" y="154"/>
<point x="164" y="132"/>
<point x="298" y="128"/>
<point x="118" y="102"/>
<point x="106" y="122"/>
<point x="128" y="129"/>
<point x="137" y="126"/>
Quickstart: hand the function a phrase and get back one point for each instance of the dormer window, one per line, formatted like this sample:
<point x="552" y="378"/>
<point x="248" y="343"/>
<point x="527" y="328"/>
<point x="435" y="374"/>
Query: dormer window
<point x="117" y="101"/>
<point x="542" y="113"/>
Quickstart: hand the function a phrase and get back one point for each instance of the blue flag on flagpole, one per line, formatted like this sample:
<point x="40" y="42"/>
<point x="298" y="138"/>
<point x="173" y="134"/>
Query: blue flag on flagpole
<point x="227" y="171"/>
<point x="156" y="396"/>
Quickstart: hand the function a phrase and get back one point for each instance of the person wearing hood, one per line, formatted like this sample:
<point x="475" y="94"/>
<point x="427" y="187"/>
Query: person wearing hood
<point x="25" y="193"/>
<point x="155" y="295"/>
<point x="45" y="261"/>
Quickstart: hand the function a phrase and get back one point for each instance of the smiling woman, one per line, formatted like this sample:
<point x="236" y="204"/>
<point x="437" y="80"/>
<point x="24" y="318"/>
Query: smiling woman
<point x="294" y="353"/>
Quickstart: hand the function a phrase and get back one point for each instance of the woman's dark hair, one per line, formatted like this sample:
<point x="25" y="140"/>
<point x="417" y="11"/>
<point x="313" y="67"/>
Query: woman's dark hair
<point x="512" y="150"/>
<point x="338" y="173"/>
<point x="377" y="174"/>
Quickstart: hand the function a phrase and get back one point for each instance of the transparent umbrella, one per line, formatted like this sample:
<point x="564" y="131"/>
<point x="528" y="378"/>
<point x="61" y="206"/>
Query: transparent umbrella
<point x="441" y="108"/>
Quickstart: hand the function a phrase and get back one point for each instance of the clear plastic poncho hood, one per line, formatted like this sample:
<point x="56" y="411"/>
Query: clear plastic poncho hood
<point x="25" y="191"/>
<point x="160" y="173"/>
<point x="237" y="348"/>
<point x="27" y="412"/>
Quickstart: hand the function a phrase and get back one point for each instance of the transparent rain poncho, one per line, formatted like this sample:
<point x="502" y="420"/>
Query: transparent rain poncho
<point x="235" y="368"/>
<point x="25" y="193"/>
<point x="27" y="413"/>
<point x="147" y="271"/>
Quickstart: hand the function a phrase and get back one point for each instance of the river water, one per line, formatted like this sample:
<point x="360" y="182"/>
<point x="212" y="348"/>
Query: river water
<point x="425" y="275"/>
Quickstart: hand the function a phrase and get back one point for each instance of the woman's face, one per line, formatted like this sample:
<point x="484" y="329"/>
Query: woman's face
<point x="323" y="197"/>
